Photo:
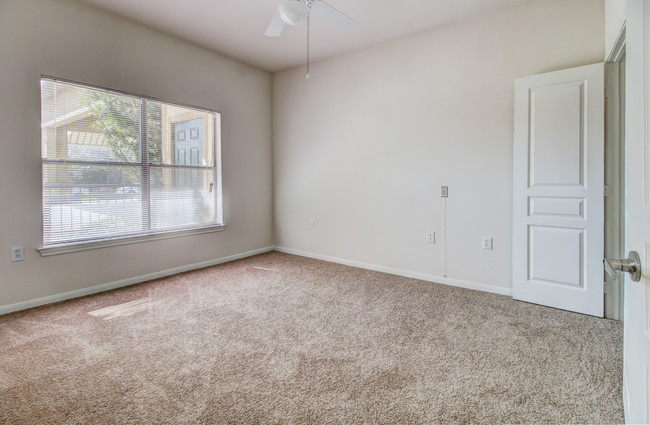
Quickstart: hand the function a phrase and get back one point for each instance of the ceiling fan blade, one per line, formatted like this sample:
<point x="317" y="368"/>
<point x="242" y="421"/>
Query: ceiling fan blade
<point x="333" y="15"/>
<point x="276" y="26"/>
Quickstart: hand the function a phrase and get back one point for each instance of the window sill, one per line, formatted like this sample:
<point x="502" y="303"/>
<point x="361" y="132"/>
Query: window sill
<point x="65" y="248"/>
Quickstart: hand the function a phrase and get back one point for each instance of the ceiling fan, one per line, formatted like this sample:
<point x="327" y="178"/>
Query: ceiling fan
<point x="295" y="12"/>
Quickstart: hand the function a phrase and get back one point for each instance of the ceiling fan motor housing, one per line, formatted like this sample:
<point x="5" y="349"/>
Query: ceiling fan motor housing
<point x="293" y="12"/>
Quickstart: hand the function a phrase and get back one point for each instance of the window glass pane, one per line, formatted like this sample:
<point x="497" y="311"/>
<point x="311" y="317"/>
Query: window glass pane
<point x="155" y="131"/>
<point x="96" y="183"/>
<point x="180" y="136"/>
<point x="182" y="197"/>
<point x="82" y="202"/>
<point x="87" y="124"/>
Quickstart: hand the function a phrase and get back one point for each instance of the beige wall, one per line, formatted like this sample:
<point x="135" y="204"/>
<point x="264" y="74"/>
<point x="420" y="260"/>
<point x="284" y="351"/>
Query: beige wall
<point x="69" y="40"/>
<point x="365" y="144"/>
<point x="614" y="21"/>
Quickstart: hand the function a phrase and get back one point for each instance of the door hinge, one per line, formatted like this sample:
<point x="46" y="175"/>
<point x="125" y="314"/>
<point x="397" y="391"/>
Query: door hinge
<point x="606" y="191"/>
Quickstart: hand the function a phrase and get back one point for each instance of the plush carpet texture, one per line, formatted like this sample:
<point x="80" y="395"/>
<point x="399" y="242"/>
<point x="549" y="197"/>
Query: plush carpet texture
<point x="277" y="339"/>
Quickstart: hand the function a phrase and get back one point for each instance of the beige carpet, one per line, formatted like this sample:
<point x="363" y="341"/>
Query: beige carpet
<point x="282" y="339"/>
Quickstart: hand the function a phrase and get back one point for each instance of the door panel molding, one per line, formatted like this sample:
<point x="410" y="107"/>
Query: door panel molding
<point x="561" y="139"/>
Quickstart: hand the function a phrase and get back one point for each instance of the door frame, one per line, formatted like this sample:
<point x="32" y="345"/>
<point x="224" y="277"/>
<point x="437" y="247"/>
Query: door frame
<point x="615" y="172"/>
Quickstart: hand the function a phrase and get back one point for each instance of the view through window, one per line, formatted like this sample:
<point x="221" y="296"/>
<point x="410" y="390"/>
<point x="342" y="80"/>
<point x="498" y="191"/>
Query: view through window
<point x="118" y="165"/>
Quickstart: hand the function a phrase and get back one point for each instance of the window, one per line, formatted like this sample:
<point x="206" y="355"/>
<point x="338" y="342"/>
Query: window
<point x="119" y="166"/>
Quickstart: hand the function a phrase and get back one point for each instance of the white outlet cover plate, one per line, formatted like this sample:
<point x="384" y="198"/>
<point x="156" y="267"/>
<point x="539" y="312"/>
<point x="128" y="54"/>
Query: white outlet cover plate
<point x="487" y="243"/>
<point x="17" y="253"/>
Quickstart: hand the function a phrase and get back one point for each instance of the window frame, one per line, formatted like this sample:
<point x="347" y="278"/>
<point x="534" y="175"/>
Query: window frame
<point x="147" y="234"/>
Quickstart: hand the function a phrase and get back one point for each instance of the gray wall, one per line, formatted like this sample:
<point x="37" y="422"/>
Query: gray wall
<point x="72" y="41"/>
<point x="614" y="22"/>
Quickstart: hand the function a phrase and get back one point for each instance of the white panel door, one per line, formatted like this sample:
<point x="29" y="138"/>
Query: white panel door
<point x="637" y="204"/>
<point x="558" y="172"/>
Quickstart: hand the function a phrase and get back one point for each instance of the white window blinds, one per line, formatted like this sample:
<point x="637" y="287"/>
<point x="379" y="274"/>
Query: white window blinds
<point x="117" y="165"/>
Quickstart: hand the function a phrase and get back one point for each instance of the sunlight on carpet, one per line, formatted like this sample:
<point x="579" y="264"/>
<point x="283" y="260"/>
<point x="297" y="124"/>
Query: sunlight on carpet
<point x="125" y="309"/>
<point x="265" y="268"/>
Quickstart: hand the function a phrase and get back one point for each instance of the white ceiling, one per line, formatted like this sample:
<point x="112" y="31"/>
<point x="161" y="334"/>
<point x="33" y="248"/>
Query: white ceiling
<point x="236" y="27"/>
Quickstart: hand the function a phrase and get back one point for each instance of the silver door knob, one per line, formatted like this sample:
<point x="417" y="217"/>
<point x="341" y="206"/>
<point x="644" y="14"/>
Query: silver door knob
<point x="631" y="265"/>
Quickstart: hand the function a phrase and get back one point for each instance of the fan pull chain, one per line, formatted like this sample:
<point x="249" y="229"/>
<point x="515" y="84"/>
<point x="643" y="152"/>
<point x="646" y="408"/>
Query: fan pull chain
<point x="308" y="20"/>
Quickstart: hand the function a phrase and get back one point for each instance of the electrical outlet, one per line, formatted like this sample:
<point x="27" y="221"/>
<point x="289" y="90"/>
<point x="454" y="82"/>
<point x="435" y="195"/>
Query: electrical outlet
<point x="312" y="223"/>
<point x="430" y="237"/>
<point x="17" y="253"/>
<point x="444" y="191"/>
<point x="487" y="243"/>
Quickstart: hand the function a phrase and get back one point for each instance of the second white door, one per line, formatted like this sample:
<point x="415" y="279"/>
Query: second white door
<point x="558" y="172"/>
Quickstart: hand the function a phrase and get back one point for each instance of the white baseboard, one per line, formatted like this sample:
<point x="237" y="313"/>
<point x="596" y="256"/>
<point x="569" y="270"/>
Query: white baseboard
<point x="405" y="273"/>
<point x="125" y="282"/>
<point x="169" y="272"/>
